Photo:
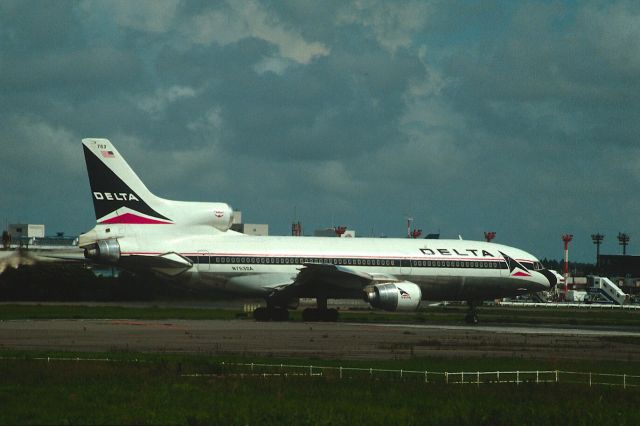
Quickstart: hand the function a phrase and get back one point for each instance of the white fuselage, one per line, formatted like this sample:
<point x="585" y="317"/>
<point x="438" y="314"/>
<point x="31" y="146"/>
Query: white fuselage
<point x="256" y="266"/>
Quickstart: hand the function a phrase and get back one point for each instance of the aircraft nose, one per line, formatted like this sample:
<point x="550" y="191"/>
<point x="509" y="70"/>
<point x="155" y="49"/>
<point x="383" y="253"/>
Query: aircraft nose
<point x="550" y="276"/>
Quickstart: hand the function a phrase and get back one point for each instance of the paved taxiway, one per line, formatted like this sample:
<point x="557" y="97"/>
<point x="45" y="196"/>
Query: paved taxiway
<point x="319" y="340"/>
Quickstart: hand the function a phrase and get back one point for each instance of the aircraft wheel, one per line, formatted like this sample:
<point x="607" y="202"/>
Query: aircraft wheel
<point x="261" y="314"/>
<point x="330" y="315"/>
<point x="280" y="314"/>
<point x="310" y="315"/>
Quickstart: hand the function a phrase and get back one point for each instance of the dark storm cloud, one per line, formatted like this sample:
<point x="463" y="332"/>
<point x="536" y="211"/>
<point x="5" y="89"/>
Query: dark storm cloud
<point x="87" y="69"/>
<point x="514" y="116"/>
<point x="37" y="26"/>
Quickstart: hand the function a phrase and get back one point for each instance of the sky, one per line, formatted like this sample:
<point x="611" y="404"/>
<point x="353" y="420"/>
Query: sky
<point x="509" y="116"/>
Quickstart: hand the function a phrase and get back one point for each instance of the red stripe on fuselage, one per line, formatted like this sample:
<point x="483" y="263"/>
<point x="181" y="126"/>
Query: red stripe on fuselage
<point x="132" y="219"/>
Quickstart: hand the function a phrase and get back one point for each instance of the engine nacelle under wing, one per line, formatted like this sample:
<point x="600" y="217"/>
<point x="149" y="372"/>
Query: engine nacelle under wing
<point x="400" y="296"/>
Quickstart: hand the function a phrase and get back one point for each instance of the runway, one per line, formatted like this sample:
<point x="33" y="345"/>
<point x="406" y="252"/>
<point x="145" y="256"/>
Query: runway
<point x="320" y="340"/>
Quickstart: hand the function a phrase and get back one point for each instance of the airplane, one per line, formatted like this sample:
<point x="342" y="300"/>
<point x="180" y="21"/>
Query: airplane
<point x="193" y="244"/>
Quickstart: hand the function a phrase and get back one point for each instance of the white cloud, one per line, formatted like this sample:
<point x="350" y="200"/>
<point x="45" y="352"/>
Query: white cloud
<point x="211" y="120"/>
<point x="157" y="103"/>
<point x="394" y="24"/>
<point x="250" y="19"/>
<point x="272" y="64"/>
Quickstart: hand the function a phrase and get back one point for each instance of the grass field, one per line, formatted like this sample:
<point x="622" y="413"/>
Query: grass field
<point x="154" y="390"/>
<point x="139" y="388"/>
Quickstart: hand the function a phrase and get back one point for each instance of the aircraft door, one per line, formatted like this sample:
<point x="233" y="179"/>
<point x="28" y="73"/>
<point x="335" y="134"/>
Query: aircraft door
<point x="204" y="261"/>
<point x="405" y="267"/>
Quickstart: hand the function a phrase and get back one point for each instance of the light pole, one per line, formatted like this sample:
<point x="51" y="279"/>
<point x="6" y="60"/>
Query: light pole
<point x="597" y="240"/>
<point x="623" y="240"/>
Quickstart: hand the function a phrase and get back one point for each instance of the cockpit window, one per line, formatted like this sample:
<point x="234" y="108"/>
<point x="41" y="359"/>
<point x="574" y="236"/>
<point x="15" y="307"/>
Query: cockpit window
<point x="528" y="265"/>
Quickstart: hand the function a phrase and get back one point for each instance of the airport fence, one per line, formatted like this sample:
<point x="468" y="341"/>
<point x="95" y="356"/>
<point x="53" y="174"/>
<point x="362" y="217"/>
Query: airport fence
<point x="446" y="377"/>
<point x="260" y="370"/>
<point x="578" y="305"/>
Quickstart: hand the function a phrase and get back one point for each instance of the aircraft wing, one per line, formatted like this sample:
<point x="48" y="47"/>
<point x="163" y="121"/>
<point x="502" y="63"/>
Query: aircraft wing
<point x="335" y="281"/>
<point x="170" y="264"/>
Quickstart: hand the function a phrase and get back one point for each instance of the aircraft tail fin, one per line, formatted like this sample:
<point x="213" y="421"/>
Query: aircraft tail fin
<point x="120" y="197"/>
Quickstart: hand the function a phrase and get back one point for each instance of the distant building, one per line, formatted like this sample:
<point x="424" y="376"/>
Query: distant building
<point x="236" y="217"/>
<point x="258" y="229"/>
<point x="25" y="230"/>
<point x="33" y="235"/>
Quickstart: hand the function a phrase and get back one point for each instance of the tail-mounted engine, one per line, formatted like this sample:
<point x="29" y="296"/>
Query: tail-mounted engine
<point x="104" y="251"/>
<point x="400" y="296"/>
<point x="218" y="215"/>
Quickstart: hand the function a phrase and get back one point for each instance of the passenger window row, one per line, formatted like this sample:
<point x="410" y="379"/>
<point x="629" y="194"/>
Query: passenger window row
<point x="249" y="260"/>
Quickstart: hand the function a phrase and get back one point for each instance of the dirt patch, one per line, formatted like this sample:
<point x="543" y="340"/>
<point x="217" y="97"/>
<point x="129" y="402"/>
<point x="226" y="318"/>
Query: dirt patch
<point x="320" y="340"/>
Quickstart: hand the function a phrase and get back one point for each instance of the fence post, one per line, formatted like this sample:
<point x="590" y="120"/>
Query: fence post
<point x="537" y="377"/>
<point x="370" y="372"/>
<point x="311" y="370"/>
<point x="446" y="377"/>
<point x="517" y="378"/>
<point x="426" y="379"/>
<point x="624" y="381"/>
<point x="341" y="372"/>
<point x="498" y="376"/>
<point x="589" y="378"/>
<point x="401" y="373"/>
<point x="462" y="377"/>
<point x="556" y="376"/>
<point x="252" y="367"/>
<point x="478" y="379"/>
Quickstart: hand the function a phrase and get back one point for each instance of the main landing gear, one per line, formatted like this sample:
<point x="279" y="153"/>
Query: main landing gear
<point x="271" y="313"/>
<point x="321" y="313"/>
<point x="472" y="313"/>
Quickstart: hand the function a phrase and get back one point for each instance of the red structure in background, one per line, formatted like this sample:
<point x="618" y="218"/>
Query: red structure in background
<point x="566" y="238"/>
<point x="340" y="230"/>
<point x="296" y="229"/>
<point x="416" y="233"/>
<point x="489" y="236"/>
